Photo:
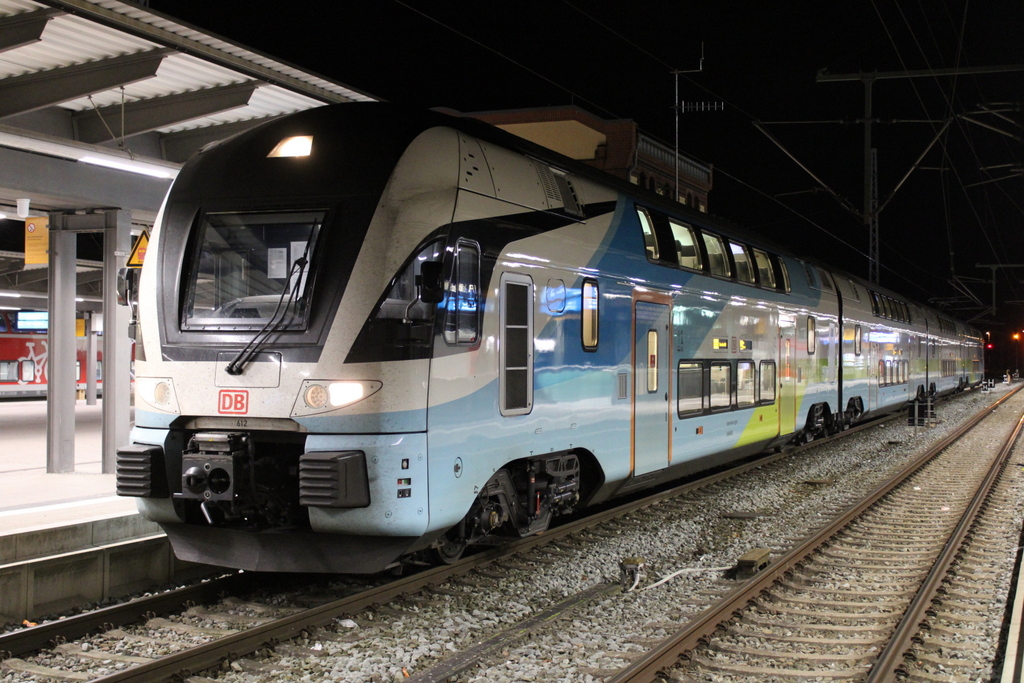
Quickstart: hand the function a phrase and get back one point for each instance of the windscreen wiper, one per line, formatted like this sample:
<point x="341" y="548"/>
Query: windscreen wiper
<point x="237" y="365"/>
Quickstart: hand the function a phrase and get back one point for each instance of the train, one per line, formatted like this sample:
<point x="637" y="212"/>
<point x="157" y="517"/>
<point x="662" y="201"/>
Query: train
<point x="23" y="354"/>
<point x="369" y="335"/>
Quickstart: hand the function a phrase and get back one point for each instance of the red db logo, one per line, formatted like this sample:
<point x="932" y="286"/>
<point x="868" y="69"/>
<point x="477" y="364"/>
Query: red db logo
<point x="233" y="402"/>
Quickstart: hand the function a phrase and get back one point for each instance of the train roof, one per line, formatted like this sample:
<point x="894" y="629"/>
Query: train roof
<point x="404" y="123"/>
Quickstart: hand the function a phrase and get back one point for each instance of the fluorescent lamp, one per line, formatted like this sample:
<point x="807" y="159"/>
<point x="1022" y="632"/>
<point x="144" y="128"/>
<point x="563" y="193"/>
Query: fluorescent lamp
<point x="130" y="166"/>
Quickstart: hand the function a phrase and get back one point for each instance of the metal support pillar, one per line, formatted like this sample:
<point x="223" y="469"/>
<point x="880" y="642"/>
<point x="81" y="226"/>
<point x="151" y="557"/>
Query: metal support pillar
<point x="870" y="194"/>
<point x="60" y="353"/>
<point x="874" y="263"/>
<point x="117" y="238"/>
<point x="90" y="360"/>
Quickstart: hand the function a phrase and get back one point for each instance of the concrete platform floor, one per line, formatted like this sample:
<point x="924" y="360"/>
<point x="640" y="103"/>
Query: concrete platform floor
<point x="32" y="499"/>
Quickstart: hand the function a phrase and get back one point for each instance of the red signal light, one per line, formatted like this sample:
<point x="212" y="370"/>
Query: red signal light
<point x="990" y="346"/>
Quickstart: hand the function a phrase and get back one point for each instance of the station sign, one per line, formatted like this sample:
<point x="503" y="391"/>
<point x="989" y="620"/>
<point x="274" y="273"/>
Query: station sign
<point x="37" y="240"/>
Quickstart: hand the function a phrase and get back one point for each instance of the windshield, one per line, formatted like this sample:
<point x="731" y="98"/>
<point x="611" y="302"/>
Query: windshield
<point x="246" y="264"/>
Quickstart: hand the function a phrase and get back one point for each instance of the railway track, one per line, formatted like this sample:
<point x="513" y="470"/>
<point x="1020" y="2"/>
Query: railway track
<point x="367" y="616"/>
<point x="849" y="603"/>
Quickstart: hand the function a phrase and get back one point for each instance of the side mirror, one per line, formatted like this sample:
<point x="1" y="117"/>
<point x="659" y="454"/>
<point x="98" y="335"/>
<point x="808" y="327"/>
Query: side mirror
<point x="126" y="284"/>
<point x="431" y="282"/>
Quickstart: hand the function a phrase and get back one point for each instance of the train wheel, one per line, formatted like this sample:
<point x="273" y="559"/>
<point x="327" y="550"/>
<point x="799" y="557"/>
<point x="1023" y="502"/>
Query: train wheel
<point x="450" y="548"/>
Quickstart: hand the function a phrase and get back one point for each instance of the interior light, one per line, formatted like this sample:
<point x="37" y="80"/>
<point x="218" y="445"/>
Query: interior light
<point x="130" y="166"/>
<point x="296" y="146"/>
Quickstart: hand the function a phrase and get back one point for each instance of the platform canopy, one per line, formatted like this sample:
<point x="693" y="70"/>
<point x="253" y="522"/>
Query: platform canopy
<point x="102" y="100"/>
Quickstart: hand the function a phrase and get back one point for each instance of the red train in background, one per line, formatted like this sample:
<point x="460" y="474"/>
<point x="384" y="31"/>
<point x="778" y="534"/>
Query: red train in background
<point x="23" y="354"/>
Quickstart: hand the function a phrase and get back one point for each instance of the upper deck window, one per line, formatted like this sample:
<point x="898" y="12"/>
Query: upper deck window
<point x="686" y="246"/>
<point x="650" y="240"/>
<point x="744" y="269"/>
<point x="249" y="269"/>
<point x="716" y="255"/>
<point x="764" y="269"/>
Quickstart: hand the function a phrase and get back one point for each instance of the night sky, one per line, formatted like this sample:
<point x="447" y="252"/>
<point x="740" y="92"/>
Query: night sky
<point x="760" y="60"/>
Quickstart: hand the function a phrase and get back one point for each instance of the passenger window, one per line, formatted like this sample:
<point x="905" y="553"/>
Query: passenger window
<point x="785" y="276"/>
<point x="721" y="385"/>
<point x="691" y="388"/>
<point x="746" y="383"/>
<point x="767" y="381"/>
<point x="716" y="255"/>
<point x="3" y="323"/>
<point x="28" y="370"/>
<point x="462" y="318"/>
<point x="8" y="371"/>
<point x="650" y="240"/>
<point x="764" y="269"/>
<point x="652" y="361"/>
<point x="826" y="281"/>
<point x="744" y="268"/>
<point x="851" y="289"/>
<point x="812" y="334"/>
<point x="858" y="340"/>
<point x="686" y="246"/>
<point x="589" y="311"/>
<point x="516" y="342"/>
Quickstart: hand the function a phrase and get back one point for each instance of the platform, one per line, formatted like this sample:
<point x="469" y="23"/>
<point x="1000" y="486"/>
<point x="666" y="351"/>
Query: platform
<point x="31" y="499"/>
<point x="66" y="540"/>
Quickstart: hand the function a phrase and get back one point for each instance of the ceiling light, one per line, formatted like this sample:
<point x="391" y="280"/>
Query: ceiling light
<point x="296" y="146"/>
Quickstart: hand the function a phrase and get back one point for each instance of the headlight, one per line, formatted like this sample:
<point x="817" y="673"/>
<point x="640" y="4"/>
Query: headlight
<point x="158" y="392"/>
<point x="162" y="393"/>
<point x="317" y="395"/>
<point x="343" y="393"/>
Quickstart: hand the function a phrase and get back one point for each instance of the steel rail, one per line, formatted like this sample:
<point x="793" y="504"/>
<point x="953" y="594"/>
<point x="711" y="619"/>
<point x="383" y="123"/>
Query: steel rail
<point x="182" y="664"/>
<point x="30" y="639"/>
<point x="48" y="634"/>
<point x="892" y="658"/>
<point x="646" y="668"/>
<point x="212" y="653"/>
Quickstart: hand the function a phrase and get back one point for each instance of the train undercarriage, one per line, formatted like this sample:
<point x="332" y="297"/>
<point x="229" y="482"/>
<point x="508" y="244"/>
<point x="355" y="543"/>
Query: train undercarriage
<point x="519" y="500"/>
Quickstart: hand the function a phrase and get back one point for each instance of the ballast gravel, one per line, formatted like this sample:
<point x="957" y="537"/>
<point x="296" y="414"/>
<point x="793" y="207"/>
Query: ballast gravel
<point x="772" y="506"/>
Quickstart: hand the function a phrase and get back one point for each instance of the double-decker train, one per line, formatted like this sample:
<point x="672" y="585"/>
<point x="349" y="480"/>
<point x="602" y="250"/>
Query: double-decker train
<point x="367" y="333"/>
<point x="23" y="354"/>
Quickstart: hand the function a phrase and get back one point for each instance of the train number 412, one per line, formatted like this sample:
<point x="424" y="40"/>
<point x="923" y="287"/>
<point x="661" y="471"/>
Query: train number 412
<point x="233" y="402"/>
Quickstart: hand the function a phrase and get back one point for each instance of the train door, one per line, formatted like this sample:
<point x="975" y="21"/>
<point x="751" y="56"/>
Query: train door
<point x="875" y="376"/>
<point x="787" y="373"/>
<point x="651" y="418"/>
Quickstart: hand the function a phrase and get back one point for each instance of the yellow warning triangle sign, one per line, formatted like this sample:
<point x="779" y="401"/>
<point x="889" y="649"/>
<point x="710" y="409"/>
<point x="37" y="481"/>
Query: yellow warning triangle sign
<point x="138" y="254"/>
